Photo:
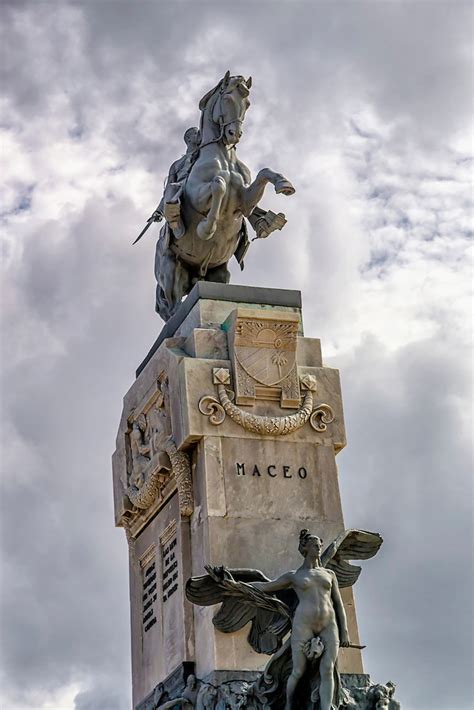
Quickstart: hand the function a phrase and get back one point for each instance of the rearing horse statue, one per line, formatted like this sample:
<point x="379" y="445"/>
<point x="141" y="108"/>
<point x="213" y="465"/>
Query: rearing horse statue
<point x="206" y="202"/>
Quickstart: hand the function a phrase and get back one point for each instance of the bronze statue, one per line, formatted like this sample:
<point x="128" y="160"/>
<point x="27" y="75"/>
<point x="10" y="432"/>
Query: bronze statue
<point x="207" y="196"/>
<point x="307" y="602"/>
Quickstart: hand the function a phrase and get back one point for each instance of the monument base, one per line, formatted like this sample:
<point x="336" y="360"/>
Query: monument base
<point x="235" y="690"/>
<point x="226" y="453"/>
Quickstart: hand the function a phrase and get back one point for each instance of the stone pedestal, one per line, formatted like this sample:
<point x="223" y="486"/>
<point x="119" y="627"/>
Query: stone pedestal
<point x="226" y="449"/>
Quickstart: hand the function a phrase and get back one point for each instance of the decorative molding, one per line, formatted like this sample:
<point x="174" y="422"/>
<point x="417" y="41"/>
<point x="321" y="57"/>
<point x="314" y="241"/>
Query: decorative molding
<point x="148" y="555"/>
<point x="216" y="409"/>
<point x="168" y="533"/>
<point x="322" y="416"/>
<point x="210" y="407"/>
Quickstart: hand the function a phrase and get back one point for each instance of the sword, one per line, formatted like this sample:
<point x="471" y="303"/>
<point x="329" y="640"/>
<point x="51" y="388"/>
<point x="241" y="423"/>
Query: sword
<point x="155" y="217"/>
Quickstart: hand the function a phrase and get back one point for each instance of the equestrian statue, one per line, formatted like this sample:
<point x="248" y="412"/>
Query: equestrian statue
<point x="207" y="195"/>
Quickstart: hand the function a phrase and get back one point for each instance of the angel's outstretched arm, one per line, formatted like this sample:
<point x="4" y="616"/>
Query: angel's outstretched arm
<point x="285" y="581"/>
<point x="340" y="613"/>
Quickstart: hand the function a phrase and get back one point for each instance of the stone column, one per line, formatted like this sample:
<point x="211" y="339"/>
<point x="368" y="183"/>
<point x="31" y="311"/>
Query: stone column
<point x="226" y="449"/>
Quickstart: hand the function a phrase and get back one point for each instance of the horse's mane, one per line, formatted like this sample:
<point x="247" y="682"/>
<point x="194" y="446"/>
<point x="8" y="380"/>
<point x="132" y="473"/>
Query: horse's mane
<point x="207" y="103"/>
<point x="207" y="97"/>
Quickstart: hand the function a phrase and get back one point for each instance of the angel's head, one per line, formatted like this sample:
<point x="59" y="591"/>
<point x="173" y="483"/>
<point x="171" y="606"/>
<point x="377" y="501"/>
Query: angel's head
<point x="309" y="543"/>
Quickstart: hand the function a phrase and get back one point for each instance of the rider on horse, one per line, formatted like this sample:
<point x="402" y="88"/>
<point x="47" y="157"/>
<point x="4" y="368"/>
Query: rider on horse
<point x="208" y="195"/>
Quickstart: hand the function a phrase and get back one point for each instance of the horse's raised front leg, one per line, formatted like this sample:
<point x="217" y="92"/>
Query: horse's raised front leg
<point x="252" y="194"/>
<point x="207" y="227"/>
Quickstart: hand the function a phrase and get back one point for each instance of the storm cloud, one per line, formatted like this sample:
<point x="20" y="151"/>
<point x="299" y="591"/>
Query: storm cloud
<point x="366" y="107"/>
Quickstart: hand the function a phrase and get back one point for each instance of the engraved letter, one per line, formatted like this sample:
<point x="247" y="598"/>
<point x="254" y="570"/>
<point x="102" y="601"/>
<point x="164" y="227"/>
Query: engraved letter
<point x="273" y="475"/>
<point x="302" y="472"/>
<point x="285" y="472"/>
<point x="256" y="472"/>
<point x="241" y="469"/>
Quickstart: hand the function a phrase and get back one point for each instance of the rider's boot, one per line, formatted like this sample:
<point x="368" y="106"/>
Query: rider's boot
<point x="173" y="217"/>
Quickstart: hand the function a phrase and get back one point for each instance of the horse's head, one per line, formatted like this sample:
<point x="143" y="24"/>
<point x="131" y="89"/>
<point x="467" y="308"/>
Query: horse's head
<point x="225" y="106"/>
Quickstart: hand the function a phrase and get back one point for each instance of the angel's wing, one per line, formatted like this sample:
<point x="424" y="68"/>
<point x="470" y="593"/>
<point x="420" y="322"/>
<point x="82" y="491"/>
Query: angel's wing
<point x="242" y="603"/>
<point x="350" y="545"/>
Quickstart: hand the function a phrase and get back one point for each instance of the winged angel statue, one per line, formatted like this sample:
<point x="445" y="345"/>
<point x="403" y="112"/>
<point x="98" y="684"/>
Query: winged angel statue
<point x="298" y="619"/>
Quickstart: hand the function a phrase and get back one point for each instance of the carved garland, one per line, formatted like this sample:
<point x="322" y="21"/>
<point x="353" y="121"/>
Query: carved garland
<point x="216" y="410"/>
<point x="145" y="496"/>
<point x="182" y="470"/>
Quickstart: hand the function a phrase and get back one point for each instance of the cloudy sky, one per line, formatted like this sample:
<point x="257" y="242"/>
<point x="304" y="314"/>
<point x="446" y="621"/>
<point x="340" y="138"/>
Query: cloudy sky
<point x="366" y="107"/>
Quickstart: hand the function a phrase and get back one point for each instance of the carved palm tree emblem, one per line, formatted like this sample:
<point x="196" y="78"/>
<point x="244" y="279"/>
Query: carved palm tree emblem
<point x="280" y="360"/>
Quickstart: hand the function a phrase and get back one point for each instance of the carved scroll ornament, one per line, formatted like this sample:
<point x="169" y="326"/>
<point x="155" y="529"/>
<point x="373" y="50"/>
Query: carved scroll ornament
<point x="217" y="409"/>
<point x="321" y="416"/>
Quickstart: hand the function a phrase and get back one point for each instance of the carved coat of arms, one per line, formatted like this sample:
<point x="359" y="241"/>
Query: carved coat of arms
<point x="263" y="350"/>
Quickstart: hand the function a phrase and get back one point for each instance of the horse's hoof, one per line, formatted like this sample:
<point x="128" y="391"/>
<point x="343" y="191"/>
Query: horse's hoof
<point x="284" y="187"/>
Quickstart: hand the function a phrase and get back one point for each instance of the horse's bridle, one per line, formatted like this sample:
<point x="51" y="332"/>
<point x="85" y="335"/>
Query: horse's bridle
<point x="221" y="122"/>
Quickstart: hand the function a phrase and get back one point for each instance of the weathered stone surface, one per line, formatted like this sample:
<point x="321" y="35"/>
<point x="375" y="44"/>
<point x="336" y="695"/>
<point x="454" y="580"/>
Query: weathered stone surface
<point x="170" y="626"/>
<point x="220" y="293"/>
<point x="170" y="687"/>
<point x="248" y="492"/>
<point x="236" y="518"/>
<point x="207" y="343"/>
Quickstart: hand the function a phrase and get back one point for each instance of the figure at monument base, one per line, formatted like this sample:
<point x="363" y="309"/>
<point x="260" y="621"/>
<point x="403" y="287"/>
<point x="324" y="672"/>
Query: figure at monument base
<point x="307" y="603"/>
